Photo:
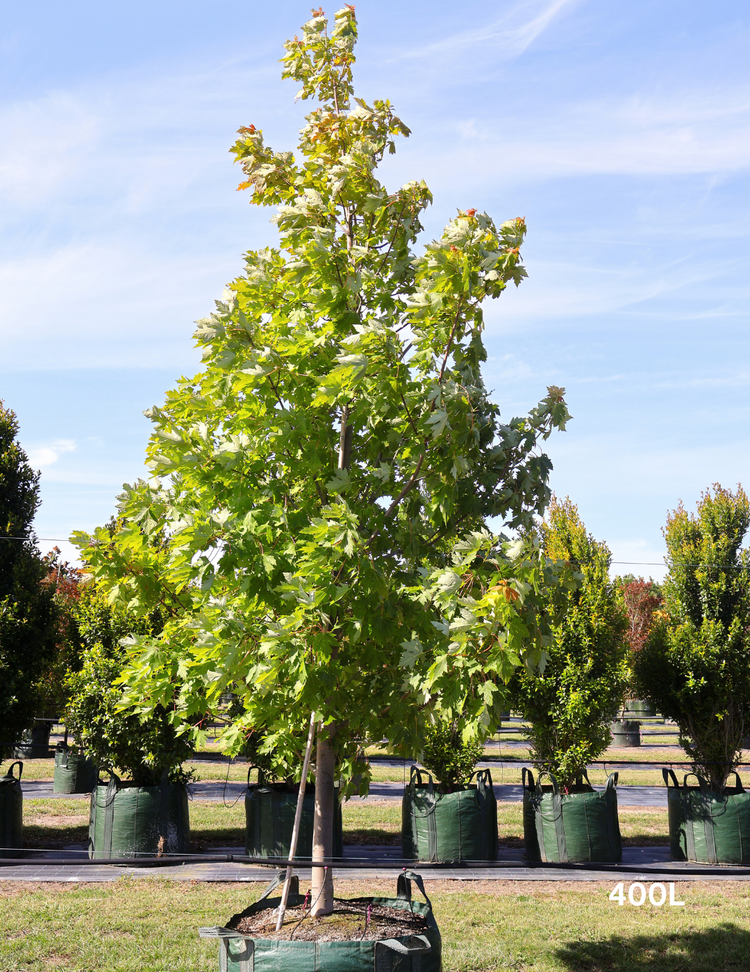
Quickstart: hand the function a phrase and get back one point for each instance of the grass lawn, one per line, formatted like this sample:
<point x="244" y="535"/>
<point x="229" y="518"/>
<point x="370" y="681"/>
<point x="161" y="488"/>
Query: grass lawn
<point x="505" y="926"/>
<point x="506" y="770"/>
<point x="57" y="823"/>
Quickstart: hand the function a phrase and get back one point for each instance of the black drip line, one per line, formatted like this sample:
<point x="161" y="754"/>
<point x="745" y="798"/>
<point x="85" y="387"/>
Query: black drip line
<point x="386" y="863"/>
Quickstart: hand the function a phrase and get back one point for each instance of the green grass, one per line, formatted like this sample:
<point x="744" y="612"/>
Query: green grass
<point x="506" y="770"/>
<point x="151" y="924"/>
<point x="57" y="823"/>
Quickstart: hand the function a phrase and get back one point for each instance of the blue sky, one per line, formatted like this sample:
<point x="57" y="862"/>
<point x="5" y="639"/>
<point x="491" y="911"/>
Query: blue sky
<point x="620" y="131"/>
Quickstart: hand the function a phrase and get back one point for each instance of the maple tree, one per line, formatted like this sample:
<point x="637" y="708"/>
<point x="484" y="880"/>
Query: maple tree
<point x="316" y="528"/>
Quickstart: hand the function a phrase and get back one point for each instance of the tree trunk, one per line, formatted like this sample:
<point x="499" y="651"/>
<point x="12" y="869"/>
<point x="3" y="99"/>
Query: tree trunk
<point x="325" y="795"/>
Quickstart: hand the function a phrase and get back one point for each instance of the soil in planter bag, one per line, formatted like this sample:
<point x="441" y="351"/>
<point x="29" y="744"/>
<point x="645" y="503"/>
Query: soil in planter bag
<point x="74" y="772"/>
<point x="11" y="811"/>
<point x="407" y="953"/>
<point x="705" y="826"/>
<point x="134" y="821"/>
<point x="581" y="825"/>
<point x="269" y="820"/>
<point x="459" y="826"/>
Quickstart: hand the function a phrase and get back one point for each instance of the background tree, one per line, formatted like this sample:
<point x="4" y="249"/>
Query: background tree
<point x="642" y="598"/>
<point x="572" y="699"/>
<point x="141" y="749"/>
<point x="325" y="480"/>
<point x="695" y="665"/>
<point x="66" y="583"/>
<point x="27" y="611"/>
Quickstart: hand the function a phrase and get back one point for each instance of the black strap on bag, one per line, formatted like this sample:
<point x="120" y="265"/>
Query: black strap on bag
<point x="415" y="944"/>
<point x="556" y="819"/>
<point x="109" y="814"/>
<point x="428" y="814"/>
<point x="164" y="794"/>
<point x="706" y="819"/>
<point x="708" y="805"/>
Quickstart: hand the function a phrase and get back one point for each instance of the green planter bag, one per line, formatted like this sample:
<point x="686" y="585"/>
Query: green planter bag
<point x="407" y="953"/>
<point x="74" y="773"/>
<point x="625" y="732"/>
<point x="641" y="709"/>
<point x="11" y="811"/>
<point x="705" y="826"/>
<point x="138" y="821"/>
<point x="34" y="743"/>
<point x="459" y="826"/>
<point x="269" y="820"/>
<point x="570" y="827"/>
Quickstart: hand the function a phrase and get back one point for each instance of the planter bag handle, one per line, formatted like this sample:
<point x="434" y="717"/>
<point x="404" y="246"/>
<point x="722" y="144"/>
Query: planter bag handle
<point x="484" y="779"/>
<point x="556" y="820"/>
<point x="430" y="782"/>
<point x="524" y="773"/>
<point x="612" y="779"/>
<point x="242" y="961"/>
<point x="9" y="777"/>
<point x="739" y="781"/>
<point x="667" y="774"/>
<point x="555" y="787"/>
<point x="279" y="879"/>
<point x="403" y="886"/>
<point x="423" y="945"/>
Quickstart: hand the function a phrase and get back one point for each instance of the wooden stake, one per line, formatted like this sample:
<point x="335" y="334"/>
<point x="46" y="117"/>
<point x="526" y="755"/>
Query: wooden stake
<point x="297" y="819"/>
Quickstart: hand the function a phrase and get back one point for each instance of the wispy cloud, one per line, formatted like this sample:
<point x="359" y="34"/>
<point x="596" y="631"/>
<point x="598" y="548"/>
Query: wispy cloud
<point x="509" y="35"/>
<point x="692" y="132"/>
<point x="44" y="455"/>
<point x="563" y="290"/>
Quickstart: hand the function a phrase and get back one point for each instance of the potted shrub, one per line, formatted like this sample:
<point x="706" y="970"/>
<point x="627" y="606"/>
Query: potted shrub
<point x="454" y="819"/>
<point x="271" y="803"/>
<point x="326" y="479"/>
<point x="146" y="813"/>
<point x="572" y="701"/>
<point x="695" y="669"/>
<point x="75" y="771"/>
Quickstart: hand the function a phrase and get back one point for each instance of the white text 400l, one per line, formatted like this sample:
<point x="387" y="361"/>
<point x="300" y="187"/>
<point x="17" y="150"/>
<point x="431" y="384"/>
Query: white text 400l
<point x="637" y="894"/>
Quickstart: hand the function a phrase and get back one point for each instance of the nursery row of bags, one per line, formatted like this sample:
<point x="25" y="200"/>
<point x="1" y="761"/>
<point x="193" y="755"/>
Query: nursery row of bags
<point x="578" y="825"/>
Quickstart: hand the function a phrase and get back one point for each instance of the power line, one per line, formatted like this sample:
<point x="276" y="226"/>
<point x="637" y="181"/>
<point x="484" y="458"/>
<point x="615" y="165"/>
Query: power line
<point x="46" y="539"/>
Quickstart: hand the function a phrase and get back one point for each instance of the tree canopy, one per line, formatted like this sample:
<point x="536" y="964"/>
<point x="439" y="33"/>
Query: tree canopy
<point x="27" y="613"/>
<point x="695" y="664"/>
<point x="323" y="486"/>
<point x="571" y="702"/>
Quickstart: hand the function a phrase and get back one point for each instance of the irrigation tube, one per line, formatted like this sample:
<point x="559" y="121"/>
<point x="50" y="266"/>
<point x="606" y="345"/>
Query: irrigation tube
<point x="728" y="871"/>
